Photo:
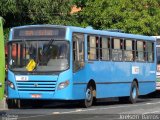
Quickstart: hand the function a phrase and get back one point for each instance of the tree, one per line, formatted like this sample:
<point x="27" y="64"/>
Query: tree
<point x="24" y="12"/>
<point x="80" y="3"/>
<point x="21" y="12"/>
<point x="132" y="16"/>
<point x="49" y="11"/>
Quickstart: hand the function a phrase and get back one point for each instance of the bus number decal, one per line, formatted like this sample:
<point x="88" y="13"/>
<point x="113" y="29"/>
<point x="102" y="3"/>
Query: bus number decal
<point x="135" y="70"/>
<point x="21" y="78"/>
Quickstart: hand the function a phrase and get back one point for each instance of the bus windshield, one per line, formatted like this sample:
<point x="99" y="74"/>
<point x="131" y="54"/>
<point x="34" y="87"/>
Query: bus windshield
<point x="46" y="55"/>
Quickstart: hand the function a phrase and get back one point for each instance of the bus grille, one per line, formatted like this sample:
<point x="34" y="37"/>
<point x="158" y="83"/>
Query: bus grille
<point x="36" y="86"/>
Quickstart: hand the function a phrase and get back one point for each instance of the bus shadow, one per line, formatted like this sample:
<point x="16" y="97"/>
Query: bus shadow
<point x="155" y="94"/>
<point x="77" y="105"/>
<point x="108" y="103"/>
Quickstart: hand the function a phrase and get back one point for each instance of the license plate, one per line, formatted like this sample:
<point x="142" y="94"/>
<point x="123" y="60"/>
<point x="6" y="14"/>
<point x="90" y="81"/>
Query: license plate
<point x="36" y="96"/>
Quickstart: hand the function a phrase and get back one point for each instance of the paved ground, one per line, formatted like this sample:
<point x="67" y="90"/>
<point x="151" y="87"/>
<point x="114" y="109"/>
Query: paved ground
<point x="2" y="104"/>
<point x="147" y="108"/>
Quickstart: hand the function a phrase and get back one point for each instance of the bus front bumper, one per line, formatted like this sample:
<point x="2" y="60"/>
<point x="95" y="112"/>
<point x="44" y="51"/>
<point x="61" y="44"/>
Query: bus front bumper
<point x="40" y="95"/>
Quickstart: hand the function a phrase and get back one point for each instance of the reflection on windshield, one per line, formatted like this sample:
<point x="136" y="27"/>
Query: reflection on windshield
<point x="47" y="55"/>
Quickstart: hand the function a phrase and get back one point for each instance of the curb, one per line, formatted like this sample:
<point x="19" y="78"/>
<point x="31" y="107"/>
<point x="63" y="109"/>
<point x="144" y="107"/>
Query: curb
<point x="3" y="104"/>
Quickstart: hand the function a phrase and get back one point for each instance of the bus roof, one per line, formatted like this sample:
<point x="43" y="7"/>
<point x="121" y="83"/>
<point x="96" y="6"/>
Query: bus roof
<point x="157" y="37"/>
<point x="90" y="30"/>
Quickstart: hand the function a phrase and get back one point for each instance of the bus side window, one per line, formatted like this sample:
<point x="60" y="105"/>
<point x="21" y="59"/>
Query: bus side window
<point x="150" y="51"/>
<point x="78" y="51"/>
<point x="104" y="48"/>
<point x="93" y="48"/>
<point x="140" y="51"/>
<point x="117" y="45"/>
<point x="128" y="50"/>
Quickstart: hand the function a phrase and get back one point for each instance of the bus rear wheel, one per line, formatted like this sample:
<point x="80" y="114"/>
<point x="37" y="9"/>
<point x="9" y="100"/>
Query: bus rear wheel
<point x="133" y="93"/>
<point x="88" y="101"/>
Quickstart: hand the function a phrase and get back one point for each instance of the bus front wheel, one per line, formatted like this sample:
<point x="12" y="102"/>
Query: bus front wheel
<point x="88" y="101"/>
<point x="21" y="104"/>
<point x="11" y="103"/>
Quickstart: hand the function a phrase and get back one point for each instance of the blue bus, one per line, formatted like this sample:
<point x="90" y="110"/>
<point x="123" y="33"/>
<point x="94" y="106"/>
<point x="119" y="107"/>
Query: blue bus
<point x="52" y="62"/>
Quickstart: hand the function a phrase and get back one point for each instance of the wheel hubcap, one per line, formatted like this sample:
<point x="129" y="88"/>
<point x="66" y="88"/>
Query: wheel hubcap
<point x="88" y="95"/>
<point x="134" y="93"/>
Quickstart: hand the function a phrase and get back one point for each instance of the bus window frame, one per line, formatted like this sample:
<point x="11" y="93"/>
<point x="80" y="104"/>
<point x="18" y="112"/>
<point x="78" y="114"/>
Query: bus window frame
<point x="109" y="48"/>
<point x="37" y="72"/>
<point x="74" y="71"/>
<point x="136" y="50"/>
<point x="96" y="48"/>
<point x="133" y="49"/>
<point x="121" y="47"/>
<point x="153" y="53"/>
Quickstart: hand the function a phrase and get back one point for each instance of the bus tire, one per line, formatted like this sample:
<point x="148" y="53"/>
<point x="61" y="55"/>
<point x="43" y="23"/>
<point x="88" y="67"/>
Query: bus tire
<point x="11" y="103"/>
<point x="94" y="101"/>
<point x="133" y="93"/>
<point x="21" y="104"/>
<point x="88" y="101"/>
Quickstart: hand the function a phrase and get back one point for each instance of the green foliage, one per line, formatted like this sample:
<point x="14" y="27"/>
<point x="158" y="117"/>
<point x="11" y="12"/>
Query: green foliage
<point x="24" y="12"/>
<point x="132" y="16"/>
<point x="49" y="11"/>
<point x="21" y="12"/>
<point x="6" y="35"/>
<point x="80" y="3"/>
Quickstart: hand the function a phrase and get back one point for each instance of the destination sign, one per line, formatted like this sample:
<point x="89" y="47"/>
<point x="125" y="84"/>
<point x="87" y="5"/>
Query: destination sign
<point x="39" y="33"/>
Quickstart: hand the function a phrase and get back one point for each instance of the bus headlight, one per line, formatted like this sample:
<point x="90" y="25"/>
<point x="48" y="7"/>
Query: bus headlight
<point x="10" y="84"/>
<point x="62" y="85"/>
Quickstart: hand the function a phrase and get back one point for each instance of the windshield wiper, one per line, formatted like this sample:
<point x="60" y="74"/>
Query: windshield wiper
<point x="45" y="51"/>
<point x="47" y="47"/>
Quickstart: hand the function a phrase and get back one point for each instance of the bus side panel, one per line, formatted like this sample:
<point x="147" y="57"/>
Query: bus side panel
<point x="114" y="79"/>
<point x="146" y="78"/>
<point x="2" y="61"/>
<point x="113" y="90"/>
<point x="80" y="80"/>
<point x="79" y="91"/>
<point x="145" y="88"/>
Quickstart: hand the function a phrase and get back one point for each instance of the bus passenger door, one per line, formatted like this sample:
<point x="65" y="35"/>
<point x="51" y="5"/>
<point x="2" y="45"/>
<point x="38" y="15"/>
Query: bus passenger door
<point x="78" y="52"/>
<point x="78" y="64"/>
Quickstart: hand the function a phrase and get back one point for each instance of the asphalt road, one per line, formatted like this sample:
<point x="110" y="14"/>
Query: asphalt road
<point x="146" y="108"/>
